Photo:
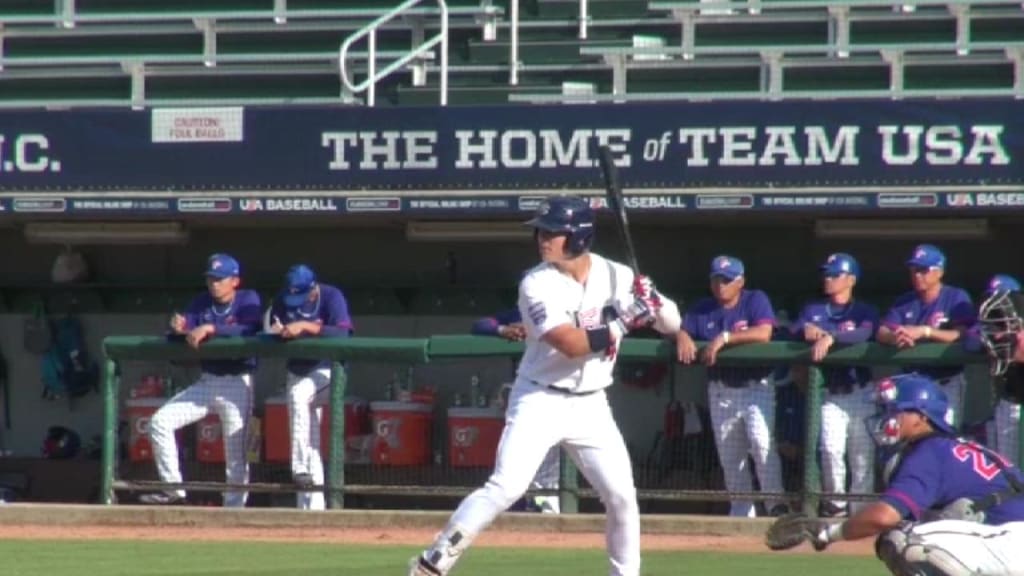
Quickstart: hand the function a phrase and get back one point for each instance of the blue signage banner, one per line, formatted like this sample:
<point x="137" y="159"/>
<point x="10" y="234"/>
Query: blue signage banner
<point x="493" y="205"/>
<point x="717" y="155"/>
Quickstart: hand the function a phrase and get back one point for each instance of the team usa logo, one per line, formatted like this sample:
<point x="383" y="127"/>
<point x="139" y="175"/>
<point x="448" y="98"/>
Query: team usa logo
<point x="848" y="326"/>
<point x="722" y="263"/>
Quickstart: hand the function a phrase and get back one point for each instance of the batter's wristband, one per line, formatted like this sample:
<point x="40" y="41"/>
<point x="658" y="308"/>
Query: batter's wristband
<point x="599" y="338"/>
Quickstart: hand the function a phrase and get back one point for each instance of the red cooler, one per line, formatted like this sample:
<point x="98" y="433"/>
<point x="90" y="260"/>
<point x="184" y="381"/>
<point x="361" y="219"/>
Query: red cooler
<point x="277" y="435"/>
<point x="139" y="411"/>
<point x="210" y="440"/>
<point x="401" y="433"/>
<point x="473" y="436"/>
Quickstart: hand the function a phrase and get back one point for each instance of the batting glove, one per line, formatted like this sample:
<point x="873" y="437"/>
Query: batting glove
<point x="637" y="315"/>
<point x="643" y="289"/>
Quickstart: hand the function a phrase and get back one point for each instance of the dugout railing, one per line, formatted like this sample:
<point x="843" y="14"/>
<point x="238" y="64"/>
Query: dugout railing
<point x="411" y="351"/>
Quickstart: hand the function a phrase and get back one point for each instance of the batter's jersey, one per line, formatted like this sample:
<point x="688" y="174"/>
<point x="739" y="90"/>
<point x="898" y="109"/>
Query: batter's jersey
<point x="706" y="319"/>
<point x="951" y="310"/>
<point x="850" y="323"/>
<point x="242" y="317"/>
<point x="939" y="470"/>
<point x="548" y="299"/>
<point x="329" y="310"/>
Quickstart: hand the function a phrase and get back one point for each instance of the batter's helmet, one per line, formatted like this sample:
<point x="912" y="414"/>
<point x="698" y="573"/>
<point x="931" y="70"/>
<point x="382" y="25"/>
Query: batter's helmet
<point x="911" y="392"/>
<point x="569" y="215"/>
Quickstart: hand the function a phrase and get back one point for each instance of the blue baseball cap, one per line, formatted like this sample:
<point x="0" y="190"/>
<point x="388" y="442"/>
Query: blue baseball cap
<point x="298" y="282"/>
<point x="222" y="266"/>
<point x="1002" y="282"/>
<point x="927" y="256"/>
<point x="726" y="267"/>
<point x="840" y="263"/>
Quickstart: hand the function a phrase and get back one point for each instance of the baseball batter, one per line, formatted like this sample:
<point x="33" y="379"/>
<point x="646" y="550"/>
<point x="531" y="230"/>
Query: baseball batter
<point x="932" y="312"/>
<point x="508" y="324"/>
<point x="964" y="502"/>
<point x="822" y="323"/>
<point x="225" y="386"/>
<point x="307" y="308"/>
<point x="999" y="323"/>
<point x="576" y="307"/>
<point x="741" y="400"/>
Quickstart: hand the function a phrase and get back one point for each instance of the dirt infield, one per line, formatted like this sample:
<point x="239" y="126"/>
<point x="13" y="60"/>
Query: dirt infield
<point x="399" y="536"/>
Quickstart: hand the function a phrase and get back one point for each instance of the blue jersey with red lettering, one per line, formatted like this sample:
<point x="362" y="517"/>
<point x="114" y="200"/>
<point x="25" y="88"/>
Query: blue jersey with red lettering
<point x="848" y="323"/>
<point x="241" y="317"/>
<point x="951" y="310"/>
<point x="488" y="325"/>
<point x="938" y="470"/>
<point x="329" y="310"/>
<point x="707" y="319"/>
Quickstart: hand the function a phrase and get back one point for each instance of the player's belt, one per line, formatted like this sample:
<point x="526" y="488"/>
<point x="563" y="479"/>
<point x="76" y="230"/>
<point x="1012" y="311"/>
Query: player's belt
<point x="561" y="390"/>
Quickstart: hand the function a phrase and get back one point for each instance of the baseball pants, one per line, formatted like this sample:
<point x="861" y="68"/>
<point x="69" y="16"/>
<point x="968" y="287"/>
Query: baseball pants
<point x="1007" y="430"/>
<point x="306" y="395"/>
<point x="539" y="418"/>
<point x="844" y="437"/>
<point x="743" y="419"/>
<point x="230" y="397"/>
<point x="963" y="548"/>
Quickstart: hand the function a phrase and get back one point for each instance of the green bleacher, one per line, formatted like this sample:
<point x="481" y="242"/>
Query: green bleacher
<point x="107" y="52"/>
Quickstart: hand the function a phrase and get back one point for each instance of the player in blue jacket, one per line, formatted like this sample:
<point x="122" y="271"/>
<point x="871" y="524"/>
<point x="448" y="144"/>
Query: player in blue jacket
<point x="225" y="386"/>
<point x="951" y="507"/>
<point x="307" y="308"/>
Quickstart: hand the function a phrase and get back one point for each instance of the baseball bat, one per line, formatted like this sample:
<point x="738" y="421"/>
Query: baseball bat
<point x="613" y="193"/>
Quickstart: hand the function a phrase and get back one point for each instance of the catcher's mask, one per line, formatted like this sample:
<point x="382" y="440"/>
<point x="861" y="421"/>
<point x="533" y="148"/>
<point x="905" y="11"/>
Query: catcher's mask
<point x="999" y="323"/>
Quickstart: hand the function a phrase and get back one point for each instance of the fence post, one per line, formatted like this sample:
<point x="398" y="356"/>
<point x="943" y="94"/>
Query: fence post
<point x="568" y="484"/>
<point x="110" y="394"/>
<point x="812" y="417"/>
<point x="336" y="459"/>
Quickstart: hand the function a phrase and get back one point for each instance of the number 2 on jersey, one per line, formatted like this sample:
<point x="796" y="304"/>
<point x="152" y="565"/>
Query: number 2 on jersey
<point x="979" y="461"/>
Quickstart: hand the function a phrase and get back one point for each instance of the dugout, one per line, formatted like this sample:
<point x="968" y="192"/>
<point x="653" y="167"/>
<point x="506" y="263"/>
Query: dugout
<point x="403" y="288"/>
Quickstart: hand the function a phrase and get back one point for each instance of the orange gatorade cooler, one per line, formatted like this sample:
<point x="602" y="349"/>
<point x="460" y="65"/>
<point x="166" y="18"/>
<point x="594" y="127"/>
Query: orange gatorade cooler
<point x="401" y="433"/>
<point x="473" y="435"/>
<point x="277" y="435"/>
<point x="139" y="412"/>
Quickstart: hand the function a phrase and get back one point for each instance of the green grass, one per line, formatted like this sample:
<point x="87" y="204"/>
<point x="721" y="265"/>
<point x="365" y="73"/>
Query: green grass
<point x="148" y="558"/>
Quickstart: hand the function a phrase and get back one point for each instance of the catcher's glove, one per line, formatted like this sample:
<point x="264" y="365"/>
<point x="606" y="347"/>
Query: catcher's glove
<point x="793" y="529"/>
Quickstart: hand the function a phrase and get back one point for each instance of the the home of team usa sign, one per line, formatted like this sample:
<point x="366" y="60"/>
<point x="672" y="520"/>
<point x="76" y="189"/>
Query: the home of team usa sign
<point x="675" y="148"/>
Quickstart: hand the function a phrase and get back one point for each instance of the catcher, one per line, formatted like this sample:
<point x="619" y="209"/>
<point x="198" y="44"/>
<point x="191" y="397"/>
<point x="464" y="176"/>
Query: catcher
<point x="950" y="508"/>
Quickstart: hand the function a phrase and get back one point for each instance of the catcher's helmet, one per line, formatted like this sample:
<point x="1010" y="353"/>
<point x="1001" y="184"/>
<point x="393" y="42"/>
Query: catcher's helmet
<point x="569" y="215"/>
<point x="999" y="322"/>
<point x="911" y="392"/>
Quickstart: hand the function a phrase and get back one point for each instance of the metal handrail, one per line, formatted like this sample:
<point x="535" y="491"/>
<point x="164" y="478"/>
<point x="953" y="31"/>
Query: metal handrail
<point x="373" y="76"/>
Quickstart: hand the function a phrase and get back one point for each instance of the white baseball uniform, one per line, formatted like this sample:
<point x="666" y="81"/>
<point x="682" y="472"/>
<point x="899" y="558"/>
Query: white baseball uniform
<point x="558" y="400"/>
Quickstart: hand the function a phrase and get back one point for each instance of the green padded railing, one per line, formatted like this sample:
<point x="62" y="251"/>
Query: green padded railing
<point x="417" y="350"/>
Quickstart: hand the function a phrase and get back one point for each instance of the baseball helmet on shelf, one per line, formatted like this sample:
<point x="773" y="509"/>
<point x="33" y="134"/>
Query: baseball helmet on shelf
<point x="569" y="215"/>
